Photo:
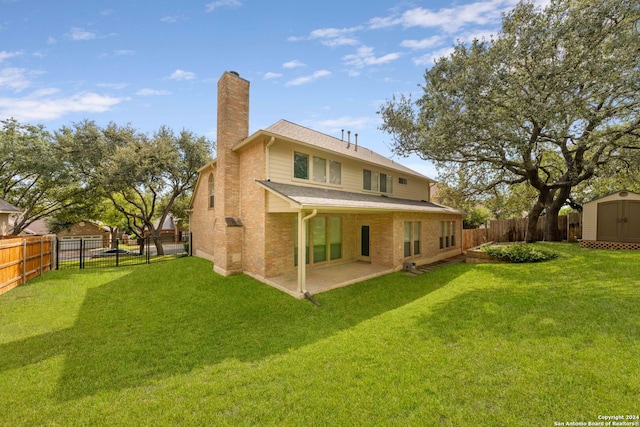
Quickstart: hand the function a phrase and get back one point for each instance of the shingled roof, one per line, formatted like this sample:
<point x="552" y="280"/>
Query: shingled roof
<point x="318" y="197"/>
<point x="6" y="207"/>
<point x="304" y="135"/>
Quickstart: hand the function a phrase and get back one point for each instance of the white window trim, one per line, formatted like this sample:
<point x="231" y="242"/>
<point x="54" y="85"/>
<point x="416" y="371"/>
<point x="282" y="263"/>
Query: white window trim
<point x="310" y="180"/>
<point x="379" y="174"/>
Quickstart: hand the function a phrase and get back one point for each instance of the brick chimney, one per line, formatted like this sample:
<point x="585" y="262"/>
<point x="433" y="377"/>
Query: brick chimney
<point x="233" y="127"/>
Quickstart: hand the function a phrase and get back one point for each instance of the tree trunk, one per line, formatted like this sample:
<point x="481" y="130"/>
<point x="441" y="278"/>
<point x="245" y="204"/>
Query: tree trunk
<point x="114" y="237"/>
<point x="534" y="214"/>
<point x="551" y="229"/>
<point x="157" y="242"/>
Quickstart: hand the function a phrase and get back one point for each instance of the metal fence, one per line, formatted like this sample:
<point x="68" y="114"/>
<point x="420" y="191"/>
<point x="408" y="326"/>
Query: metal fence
<point x="82" y="253"/>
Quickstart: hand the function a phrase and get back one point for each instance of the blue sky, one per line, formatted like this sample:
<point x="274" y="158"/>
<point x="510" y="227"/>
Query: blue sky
<point x="327" y="65"/>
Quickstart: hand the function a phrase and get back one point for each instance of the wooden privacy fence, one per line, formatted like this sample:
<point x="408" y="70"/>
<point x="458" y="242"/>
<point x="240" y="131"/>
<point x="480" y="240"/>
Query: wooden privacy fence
<point x="515" y="230"/>
<point x="24" y="258"/>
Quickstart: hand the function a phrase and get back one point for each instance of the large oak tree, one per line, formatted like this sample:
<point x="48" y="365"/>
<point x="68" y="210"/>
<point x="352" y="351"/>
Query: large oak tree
<point x="34" y="175"/>
<point x="142" y="175"/>
<point x="552" y="100"/>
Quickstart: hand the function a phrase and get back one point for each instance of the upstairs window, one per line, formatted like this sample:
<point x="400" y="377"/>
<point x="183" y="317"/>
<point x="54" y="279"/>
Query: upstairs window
<point x="335" y="172"/>
<point x="386" y="183"/>
<point x="369" y="180"/>
<point x="300" y="166"/>
<point x="318" y="169"/>
<point x="375" y="181"/>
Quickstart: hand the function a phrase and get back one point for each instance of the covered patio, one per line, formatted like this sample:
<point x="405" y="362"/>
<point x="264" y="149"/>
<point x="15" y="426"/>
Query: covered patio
<point x="322" y="279"/>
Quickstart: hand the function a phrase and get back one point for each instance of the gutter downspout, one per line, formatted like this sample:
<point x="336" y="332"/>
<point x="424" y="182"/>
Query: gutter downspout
<point x="302" y="259"/>
<point x="268" y="166"/>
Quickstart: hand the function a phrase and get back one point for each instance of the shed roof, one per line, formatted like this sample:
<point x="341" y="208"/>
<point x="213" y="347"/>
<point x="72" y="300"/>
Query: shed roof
<point x="615" y="196"/>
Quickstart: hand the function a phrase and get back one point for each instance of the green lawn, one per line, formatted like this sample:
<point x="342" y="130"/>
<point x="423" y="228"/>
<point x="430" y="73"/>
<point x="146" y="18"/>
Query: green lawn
<point x="466" y="345"/>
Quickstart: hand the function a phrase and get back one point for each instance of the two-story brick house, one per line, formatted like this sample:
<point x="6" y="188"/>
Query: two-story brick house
<point x="287" y="200"/>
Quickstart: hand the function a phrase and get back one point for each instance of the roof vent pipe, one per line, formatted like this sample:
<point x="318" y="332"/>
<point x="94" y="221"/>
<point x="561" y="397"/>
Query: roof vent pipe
<point x="348" y="138"/>
<point x="356" y="142"/>
<point x="342" y="139"/>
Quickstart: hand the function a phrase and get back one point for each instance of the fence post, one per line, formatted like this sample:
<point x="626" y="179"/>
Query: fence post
<point x="41" y="254"/>
<point x="81" y="253"/>
<point x="24" y="261"/>
<point x="54" y="252"/>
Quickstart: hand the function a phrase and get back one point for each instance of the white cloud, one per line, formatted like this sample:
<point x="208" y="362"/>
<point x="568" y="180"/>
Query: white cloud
<point x="182" y="75"/>
<point x="43" y="105"/>
<point x="479" y="35"/>
<point x="4" y="55"/>
<point x="152" y="92"/>
<point x="308" y="79"/>
<point x="430" y="58"/>
<point x="117" y="86"/>
<point x="449" y="19"/>
<point x="332" y="36"/>
<point x="233" y="4"/>
<point x="14" y="79"/>
<point x="422" y="44"/>
<point x="124" y="52"/>
<point x="334" y="126"/>
<point x="390" y="21"/>
<point x="77" y="34"/>
<point x="172" y="19"/>
<point x="271" y="76"/>
<point x="51" y="40"/>
<point x="293" y="64"/>
<point x="364" y="56"/>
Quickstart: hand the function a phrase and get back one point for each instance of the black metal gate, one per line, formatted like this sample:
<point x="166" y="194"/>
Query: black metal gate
<point x="93" y="253"/>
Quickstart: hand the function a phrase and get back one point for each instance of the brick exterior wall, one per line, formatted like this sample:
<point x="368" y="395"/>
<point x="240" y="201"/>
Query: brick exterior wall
<point x="233" y="127"/>
<point x="429" y="239"/>
<point x="202" y="218"/>
<point x="279" y="243"/>
<point x="253" y="206"/>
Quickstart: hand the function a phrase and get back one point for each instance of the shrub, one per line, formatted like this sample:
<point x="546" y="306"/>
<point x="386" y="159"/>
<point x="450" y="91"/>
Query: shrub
<point x="519" y="252"/>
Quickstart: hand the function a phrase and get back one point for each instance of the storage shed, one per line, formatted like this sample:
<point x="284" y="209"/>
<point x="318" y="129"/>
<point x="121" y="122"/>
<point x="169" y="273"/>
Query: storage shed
<point x="612" y="222"/>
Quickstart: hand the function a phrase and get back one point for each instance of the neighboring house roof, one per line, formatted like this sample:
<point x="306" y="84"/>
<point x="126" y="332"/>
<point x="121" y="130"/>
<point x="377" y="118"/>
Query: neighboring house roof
<point x="169" y="223"/>
<point x="37" y="228"/>
<point x="301" y="134"/>
<point x="318" y="198"/>
<point x="8" y="208"/>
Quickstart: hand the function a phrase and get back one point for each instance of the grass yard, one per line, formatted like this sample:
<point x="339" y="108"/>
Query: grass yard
<point x="466" y="345"/>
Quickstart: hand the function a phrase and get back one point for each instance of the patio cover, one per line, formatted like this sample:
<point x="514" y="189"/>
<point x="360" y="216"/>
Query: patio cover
<point x="303" y="197"/>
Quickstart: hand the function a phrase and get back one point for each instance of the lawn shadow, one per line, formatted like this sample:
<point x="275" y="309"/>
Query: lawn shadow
<point x="135" y="330"/>
<point x="556" y="302"/>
